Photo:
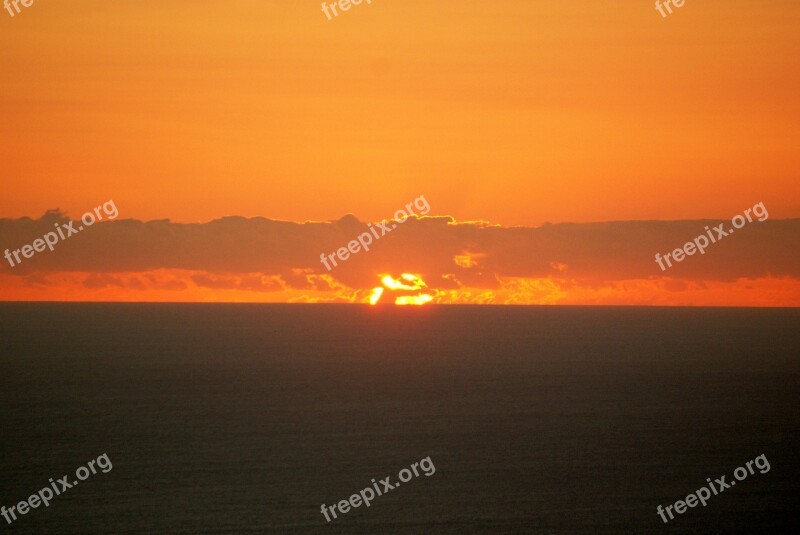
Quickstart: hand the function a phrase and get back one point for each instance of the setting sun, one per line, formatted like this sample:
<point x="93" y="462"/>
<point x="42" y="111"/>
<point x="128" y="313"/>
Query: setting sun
<point x="408" y="282"/>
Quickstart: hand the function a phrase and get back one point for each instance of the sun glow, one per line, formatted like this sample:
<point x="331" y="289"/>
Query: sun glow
<point x="413" y="299"/>
<point x="408" y="282"/>
<point x="376" y="295"/>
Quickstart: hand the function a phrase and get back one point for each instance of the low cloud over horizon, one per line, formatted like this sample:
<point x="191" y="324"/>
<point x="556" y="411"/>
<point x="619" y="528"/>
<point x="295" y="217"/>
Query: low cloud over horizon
<point x="263" y="260"/>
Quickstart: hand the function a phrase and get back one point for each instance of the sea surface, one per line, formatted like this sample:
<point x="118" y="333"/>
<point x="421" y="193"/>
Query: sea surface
<point x="244" y="419"/>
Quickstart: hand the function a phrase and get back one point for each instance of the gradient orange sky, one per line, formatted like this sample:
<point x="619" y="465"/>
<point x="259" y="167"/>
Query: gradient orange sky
<point x="512" y="112"/>
<point x="516" y="113"/>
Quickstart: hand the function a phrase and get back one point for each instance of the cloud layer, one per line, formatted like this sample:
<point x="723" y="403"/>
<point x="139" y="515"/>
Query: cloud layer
<point x="280" y="260"/>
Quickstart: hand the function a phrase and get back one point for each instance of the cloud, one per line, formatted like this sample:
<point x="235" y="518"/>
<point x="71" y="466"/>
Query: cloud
<point x="268" y="256"/>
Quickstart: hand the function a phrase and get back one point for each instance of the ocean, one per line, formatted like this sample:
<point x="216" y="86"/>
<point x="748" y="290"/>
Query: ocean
<point x="238" y="418"/>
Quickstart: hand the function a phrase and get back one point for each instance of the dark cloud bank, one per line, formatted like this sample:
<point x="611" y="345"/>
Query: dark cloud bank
<point x="590" y="252"/>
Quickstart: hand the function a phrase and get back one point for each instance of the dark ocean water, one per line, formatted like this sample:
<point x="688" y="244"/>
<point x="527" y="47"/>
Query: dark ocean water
<point x="246" y="418"/>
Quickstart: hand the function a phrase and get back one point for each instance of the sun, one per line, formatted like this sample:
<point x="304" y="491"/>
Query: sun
<point x="408" y="282"/>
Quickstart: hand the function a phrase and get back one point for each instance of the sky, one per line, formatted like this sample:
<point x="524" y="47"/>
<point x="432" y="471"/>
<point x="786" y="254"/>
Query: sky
<point x="508" y="115"/>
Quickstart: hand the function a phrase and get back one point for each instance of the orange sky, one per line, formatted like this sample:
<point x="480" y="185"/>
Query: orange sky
<point x="512" y="112"/>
